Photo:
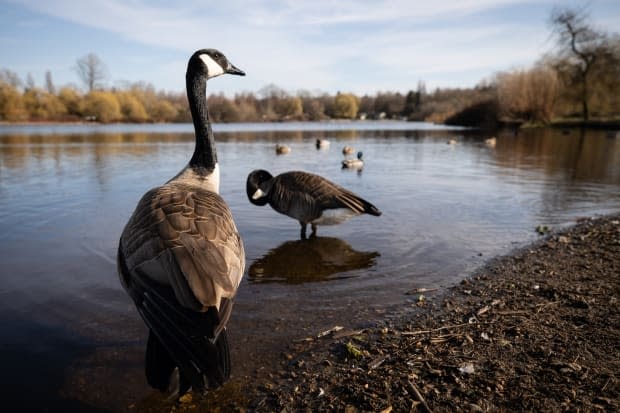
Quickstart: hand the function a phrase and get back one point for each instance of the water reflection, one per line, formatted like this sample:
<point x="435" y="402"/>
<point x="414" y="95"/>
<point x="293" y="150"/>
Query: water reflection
<point x="314" y="259"/>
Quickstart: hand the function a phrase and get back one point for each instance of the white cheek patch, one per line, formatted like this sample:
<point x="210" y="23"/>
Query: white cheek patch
<point x="258" y="194"/>
<point x="213" y="67"/>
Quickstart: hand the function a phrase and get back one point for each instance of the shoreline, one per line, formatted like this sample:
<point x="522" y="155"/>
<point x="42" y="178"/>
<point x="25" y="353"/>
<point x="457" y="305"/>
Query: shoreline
<point x="537" y="329"/>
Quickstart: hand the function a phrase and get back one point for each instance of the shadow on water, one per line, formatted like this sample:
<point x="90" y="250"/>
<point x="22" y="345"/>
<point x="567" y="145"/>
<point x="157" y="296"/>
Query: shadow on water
<point x="314" y="259"/>
<point x="33" y="359"/>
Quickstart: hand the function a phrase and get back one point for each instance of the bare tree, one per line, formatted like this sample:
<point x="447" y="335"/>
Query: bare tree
<point x="49" y="84"/>
<point x="30" y="82"/>
<point x="10" y="78"/>
<point x="580" y="47"/>
<point x="91" y="71"/>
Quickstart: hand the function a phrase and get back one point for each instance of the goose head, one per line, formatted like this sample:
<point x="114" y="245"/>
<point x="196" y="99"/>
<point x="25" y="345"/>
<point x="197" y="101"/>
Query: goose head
<point x="257" y="186"/>
<point x="359" y="155"/>
<point x="211" y="63"/>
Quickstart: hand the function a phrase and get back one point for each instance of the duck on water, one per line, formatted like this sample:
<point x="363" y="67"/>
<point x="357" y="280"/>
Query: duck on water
<point x="181" y="258"/>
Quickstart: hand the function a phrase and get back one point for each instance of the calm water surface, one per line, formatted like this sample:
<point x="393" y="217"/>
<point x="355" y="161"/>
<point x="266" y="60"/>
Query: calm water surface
<point x="70" y="335"/>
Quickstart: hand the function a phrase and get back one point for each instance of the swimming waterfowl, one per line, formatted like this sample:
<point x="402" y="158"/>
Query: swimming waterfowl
<point x="322" y="143"/>
<point x="452" y="142"/>
<point x="354" y="163"/>
<point x="491" y="142"/>
<point x="308" y="198"/>
<point x="181" y="259"/>
<point x="282" y="149"/>
<point x="348" y="150"/>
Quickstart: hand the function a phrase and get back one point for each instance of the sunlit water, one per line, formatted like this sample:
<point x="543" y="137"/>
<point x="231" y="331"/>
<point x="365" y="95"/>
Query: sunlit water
<point x="67" y="191"/>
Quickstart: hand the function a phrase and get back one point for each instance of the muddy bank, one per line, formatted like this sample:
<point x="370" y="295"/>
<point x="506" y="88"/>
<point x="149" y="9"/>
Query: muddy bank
<point x="535" y="331"/>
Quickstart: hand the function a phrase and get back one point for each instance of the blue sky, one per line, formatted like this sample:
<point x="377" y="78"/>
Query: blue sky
<point x="319" y="45"/>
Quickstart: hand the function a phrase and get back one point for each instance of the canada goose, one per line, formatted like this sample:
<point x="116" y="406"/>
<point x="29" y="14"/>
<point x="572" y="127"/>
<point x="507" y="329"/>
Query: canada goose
<point x="181" y="259"/>
<point x="348" y="150"/>
<point x="491" y="142"/>
<point x="282" y="149"/>
<point x="309" y="198"/>
<point x="354" y="163"/>
<point x="452" y="142"/>
<point x="322" y="143"/>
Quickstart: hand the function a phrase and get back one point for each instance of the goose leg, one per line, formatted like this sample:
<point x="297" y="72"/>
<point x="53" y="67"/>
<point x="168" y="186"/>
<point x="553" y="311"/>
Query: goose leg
<point x="303" y="230"/>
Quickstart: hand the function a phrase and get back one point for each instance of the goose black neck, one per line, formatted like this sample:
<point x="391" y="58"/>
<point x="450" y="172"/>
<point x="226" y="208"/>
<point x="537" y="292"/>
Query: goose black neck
<point x="205" y="156"/>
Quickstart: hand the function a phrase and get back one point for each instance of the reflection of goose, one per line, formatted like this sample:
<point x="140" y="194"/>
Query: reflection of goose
<point x="282" y="149"/>
<point x="322" y="143"/>
<point x="316" y="259"/>
<point x="309" y="198"/>
<point x="354" y="163"/>
<point x="181" y="259"/>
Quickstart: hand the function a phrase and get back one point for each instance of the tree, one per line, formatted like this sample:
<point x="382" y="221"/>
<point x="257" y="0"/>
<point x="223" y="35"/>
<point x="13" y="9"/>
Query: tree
<point x="70" y="99"/>
<point x="345" y="106"/>
<point x="49" y="84"/>
<point x="102" y="106"/>
<point x="528" y="95"/>
<point x="131" y="108"/>
<point x="30" y="82"/>
<point x="580" y="46"/>
<point x="91" y="70"/>
<point x="10" y="78"/>
<point x="288" y="107"/>
<point x="11" y="103"/>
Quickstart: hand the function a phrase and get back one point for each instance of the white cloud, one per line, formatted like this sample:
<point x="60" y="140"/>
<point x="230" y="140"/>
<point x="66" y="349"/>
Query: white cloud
<point x="317" y="44"/>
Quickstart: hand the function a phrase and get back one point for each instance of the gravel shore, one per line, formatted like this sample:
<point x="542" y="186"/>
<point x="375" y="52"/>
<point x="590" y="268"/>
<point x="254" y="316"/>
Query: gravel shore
<point x="538" y="330"/>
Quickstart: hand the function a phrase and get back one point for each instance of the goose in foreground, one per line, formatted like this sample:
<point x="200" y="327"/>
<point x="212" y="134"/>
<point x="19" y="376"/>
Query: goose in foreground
<point x="354" y="163"/>
<point x="308" y="198"/>
<point x="181" y="259"/>
<point x="282" y="149"/>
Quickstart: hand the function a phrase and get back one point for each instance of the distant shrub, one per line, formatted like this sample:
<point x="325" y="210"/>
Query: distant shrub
<point x="101" y="106"/>
<point x="11" y="104"/>
<point x="131" y="107"/>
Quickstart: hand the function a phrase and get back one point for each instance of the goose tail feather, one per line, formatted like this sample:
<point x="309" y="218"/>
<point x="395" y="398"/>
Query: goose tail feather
<point x="370" y="208"/>
<point x="179" y="338"/>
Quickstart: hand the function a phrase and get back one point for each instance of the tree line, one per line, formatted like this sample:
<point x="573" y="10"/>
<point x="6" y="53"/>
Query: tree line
<point x="580" y="79"/>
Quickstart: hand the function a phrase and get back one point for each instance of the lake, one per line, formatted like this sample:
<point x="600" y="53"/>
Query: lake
<point x="72" y="338"/>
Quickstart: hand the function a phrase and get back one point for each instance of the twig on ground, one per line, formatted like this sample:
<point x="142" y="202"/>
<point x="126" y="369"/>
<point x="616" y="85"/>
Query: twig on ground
<point x="417" y="393"/>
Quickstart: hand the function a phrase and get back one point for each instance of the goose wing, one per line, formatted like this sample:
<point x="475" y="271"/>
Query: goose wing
<point x="186" y="238"/>
<point x="321" y="193"/>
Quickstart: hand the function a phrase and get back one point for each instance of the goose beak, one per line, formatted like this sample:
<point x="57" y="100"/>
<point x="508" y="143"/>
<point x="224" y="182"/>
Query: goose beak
<point x="232" y="70"/>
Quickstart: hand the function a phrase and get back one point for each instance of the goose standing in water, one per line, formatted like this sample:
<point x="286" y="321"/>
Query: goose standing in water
<point x="181" y="259"/>
<point x="354" y="163"/>
<point x="308" y="198"/>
